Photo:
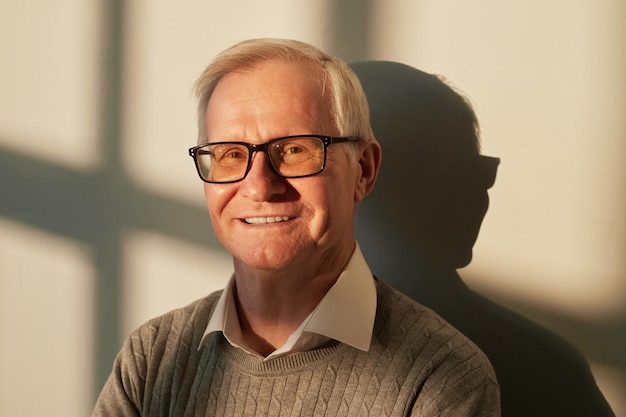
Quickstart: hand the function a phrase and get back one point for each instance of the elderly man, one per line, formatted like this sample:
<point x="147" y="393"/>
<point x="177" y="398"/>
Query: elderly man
<point x="302" y="328"/>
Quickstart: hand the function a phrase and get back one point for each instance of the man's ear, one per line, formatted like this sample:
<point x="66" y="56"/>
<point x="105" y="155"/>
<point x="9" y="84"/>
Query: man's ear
<point x="370" y="156"/>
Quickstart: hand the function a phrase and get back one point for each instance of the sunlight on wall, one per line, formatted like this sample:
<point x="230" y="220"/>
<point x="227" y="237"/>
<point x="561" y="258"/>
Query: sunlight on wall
<point x="46" y="319"/>
<point x="613" y="386"/>
<point x="48" y="80"/>
<point x="547" y="80"/>
<point x="556" y="231"/>
<point x="161" y="274"/>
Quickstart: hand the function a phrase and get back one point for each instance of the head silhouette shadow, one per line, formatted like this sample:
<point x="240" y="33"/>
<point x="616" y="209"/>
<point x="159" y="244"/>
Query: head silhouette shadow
<point x="421" y="221"/>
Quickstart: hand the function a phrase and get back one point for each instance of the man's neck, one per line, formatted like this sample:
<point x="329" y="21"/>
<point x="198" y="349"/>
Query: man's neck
<point x="270" y="310"/>
<point x="271" y="304"/>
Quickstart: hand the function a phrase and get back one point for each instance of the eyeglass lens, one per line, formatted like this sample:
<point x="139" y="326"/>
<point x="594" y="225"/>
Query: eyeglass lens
<point x="290" y="157"/>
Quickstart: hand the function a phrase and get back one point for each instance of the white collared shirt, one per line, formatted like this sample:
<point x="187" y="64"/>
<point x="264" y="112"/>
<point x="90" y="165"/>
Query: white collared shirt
<point x="346" y="314"/>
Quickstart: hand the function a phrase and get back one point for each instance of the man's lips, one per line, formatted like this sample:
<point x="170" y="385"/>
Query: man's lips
<point x="265" y="220"/>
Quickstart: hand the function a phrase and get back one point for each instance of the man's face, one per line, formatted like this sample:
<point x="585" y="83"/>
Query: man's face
<point x="269" y="222"/>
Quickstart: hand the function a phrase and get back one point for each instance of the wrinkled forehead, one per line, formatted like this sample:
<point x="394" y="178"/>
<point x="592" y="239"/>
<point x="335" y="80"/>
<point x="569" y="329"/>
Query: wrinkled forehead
<point x="288" y="95"/>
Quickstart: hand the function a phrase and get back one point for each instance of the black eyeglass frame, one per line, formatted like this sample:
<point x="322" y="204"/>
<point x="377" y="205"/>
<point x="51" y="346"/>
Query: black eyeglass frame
<point x="263" y="147"/>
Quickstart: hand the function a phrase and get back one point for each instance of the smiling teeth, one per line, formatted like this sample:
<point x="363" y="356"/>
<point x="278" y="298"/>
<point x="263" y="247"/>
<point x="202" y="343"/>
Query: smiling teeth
<point x="263" y="220"/>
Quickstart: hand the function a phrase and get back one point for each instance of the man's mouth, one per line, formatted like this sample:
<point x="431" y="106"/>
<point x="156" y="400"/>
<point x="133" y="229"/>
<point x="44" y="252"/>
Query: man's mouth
<point x="264" y="220"/>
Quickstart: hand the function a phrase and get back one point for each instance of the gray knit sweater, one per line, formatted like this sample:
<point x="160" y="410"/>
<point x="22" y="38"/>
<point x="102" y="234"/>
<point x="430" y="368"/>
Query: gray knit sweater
<point x="418" y="365"/>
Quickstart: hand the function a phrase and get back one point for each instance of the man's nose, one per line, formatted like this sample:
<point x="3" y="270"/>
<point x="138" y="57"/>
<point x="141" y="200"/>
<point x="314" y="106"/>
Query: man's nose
<point x="262" y="182"/>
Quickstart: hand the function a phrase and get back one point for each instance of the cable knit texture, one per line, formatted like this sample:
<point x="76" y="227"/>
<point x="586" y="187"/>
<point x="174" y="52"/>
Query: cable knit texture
<point x="418" y="365"/>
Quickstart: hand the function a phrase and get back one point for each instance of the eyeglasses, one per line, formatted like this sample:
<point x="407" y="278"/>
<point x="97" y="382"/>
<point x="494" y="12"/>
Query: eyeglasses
<point x="290" y="157"/>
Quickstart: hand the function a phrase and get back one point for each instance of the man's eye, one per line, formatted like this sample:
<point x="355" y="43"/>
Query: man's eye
<point x="292" y="149"/>
<point x="222" y="153"/>
<point x="234" y="154"/>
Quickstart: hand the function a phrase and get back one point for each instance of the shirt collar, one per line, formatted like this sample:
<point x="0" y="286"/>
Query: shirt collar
<point x="346" y="313"/>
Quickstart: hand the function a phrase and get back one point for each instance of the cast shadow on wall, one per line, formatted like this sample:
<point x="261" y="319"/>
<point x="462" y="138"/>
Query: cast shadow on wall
<point x="421" y="222"/>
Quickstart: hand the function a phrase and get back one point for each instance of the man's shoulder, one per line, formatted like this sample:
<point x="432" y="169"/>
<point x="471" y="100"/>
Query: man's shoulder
<point x="395" y="308"/>
<point x="185" y="321"/>
<point x="405" y="324"/>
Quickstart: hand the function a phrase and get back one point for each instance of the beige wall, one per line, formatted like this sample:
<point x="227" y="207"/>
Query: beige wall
<point x="548" y="80"/>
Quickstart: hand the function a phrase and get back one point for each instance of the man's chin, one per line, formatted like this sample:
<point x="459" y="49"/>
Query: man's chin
<point x="263" y="260"/>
